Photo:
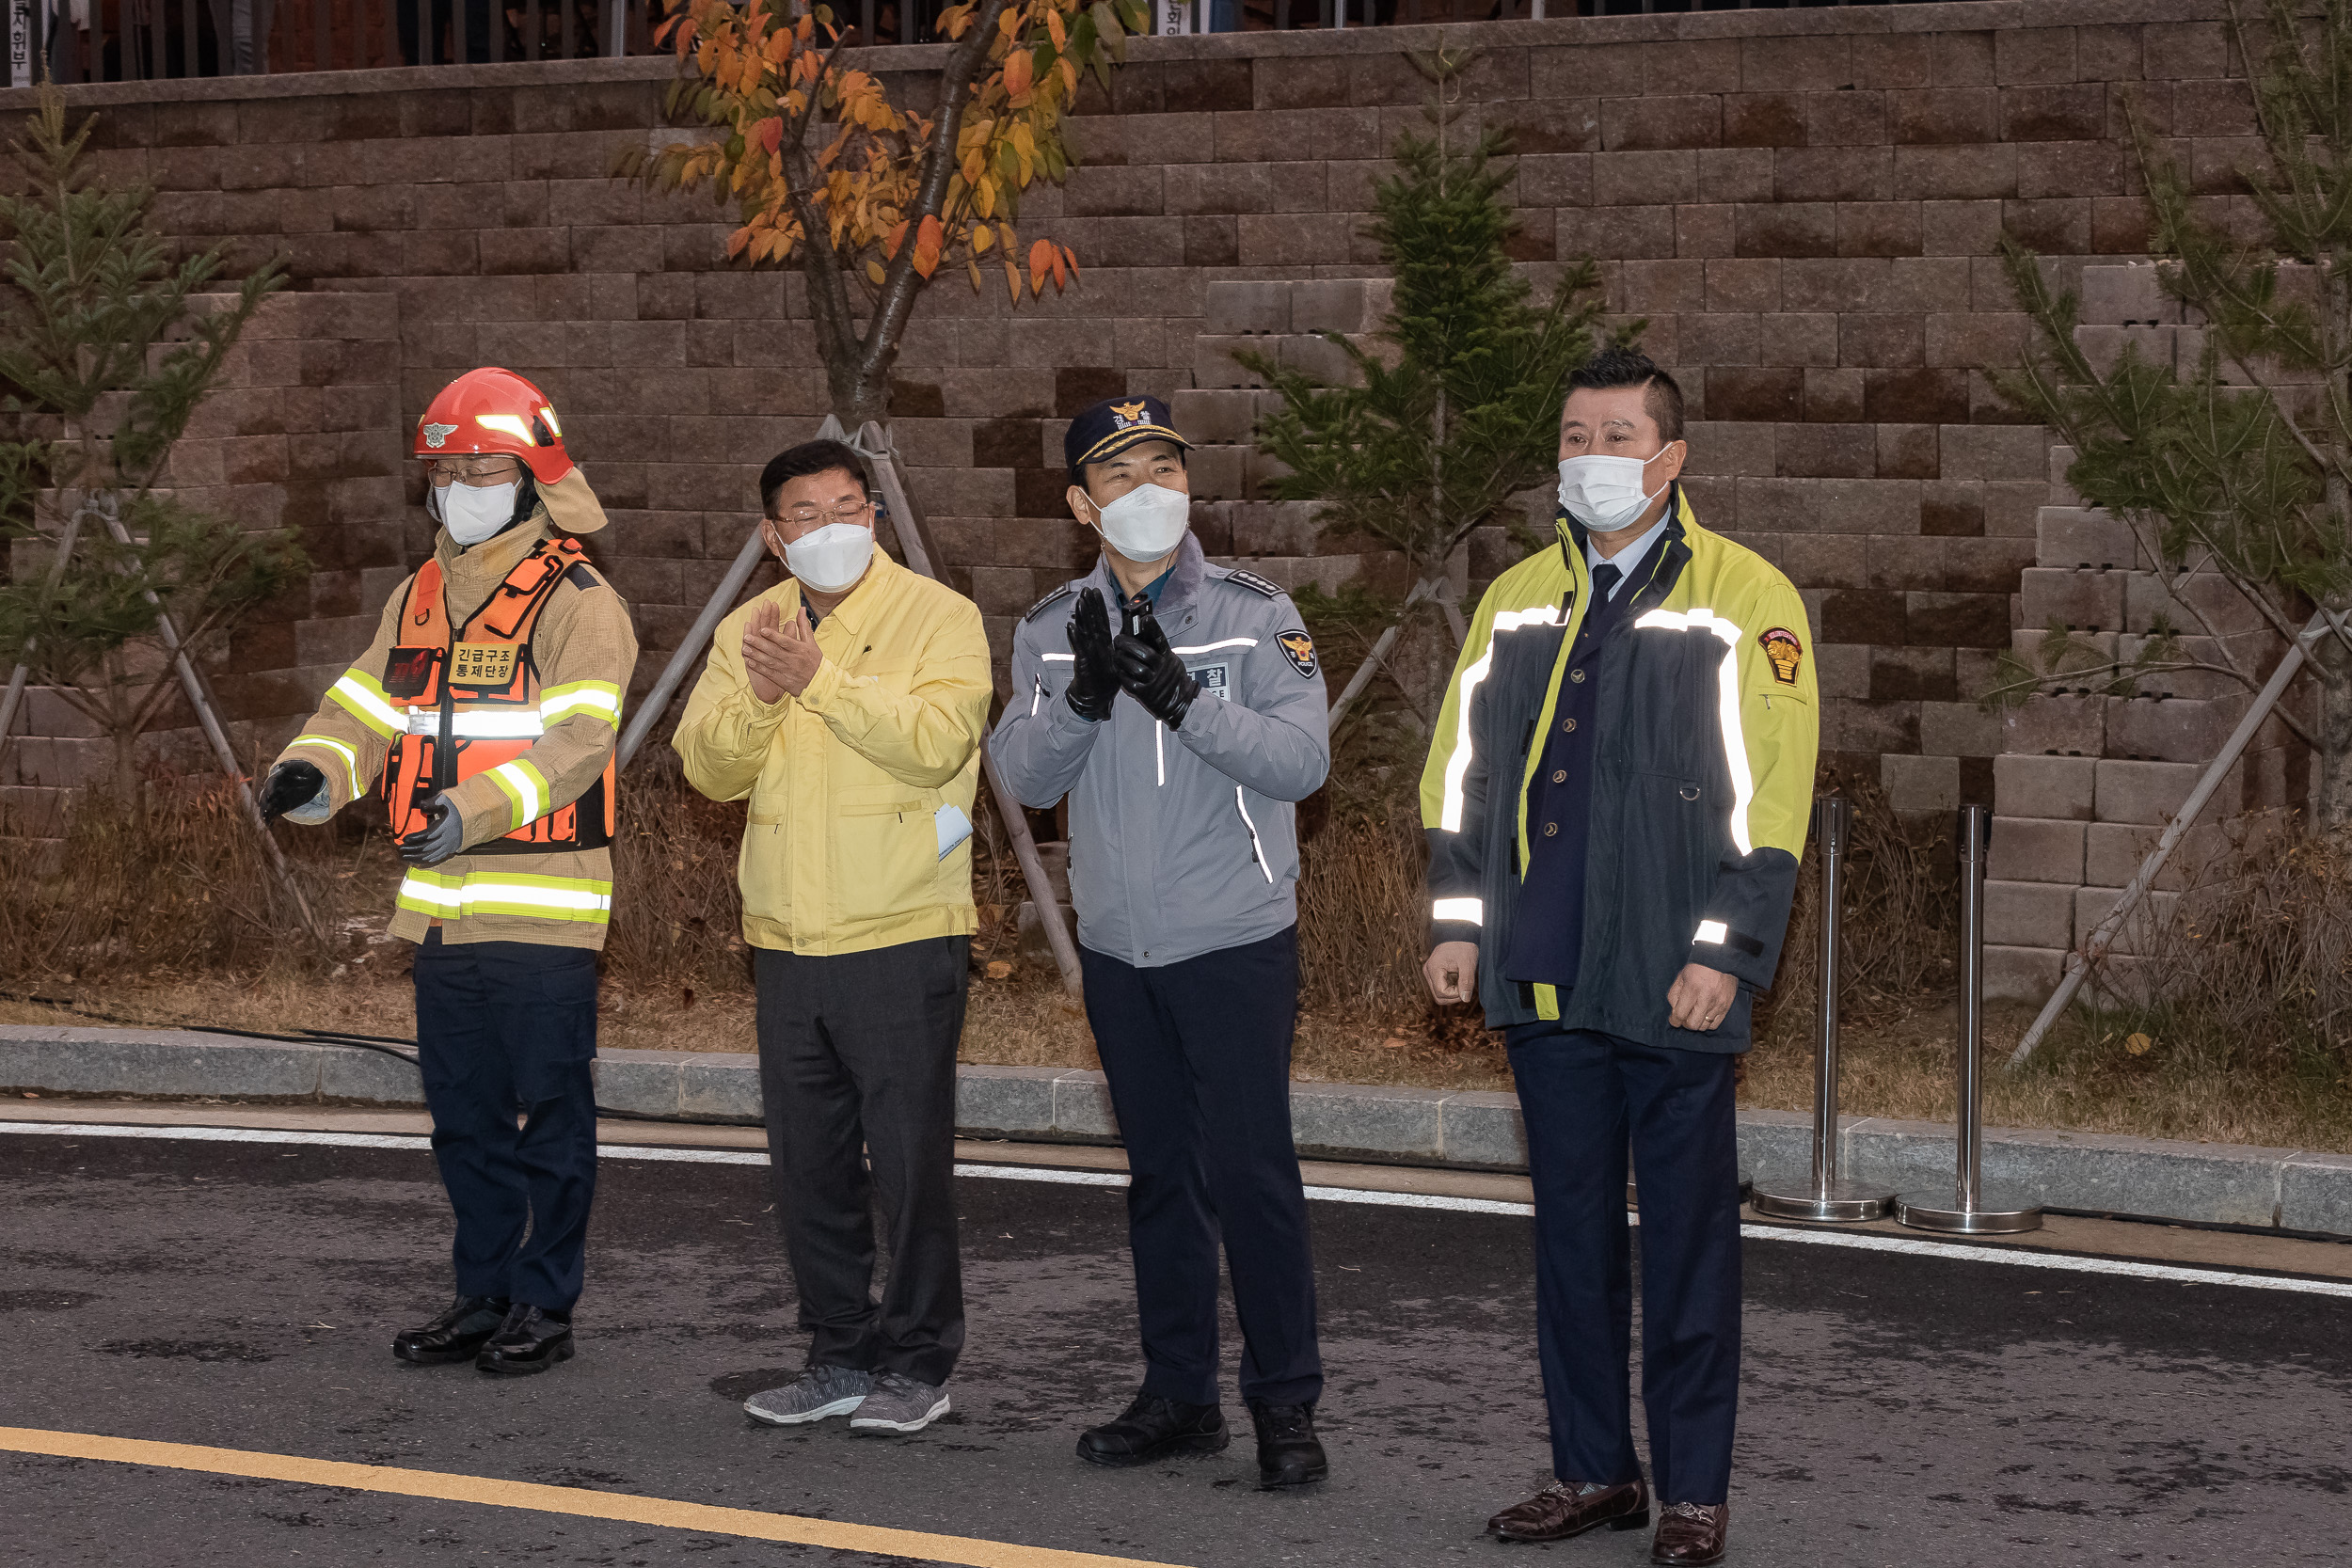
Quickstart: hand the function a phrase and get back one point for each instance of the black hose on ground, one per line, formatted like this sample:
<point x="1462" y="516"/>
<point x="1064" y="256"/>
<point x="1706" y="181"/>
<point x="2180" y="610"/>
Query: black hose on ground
<point x="389" y="1044"/>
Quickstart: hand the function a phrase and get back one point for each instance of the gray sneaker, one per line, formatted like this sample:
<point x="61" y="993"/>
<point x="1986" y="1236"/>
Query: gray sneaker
<point x="900" y="1404"/>
<point x="822" y="1391"/>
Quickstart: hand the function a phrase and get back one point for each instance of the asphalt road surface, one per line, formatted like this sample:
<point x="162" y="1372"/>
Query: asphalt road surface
<point x="1898" y="1409"/>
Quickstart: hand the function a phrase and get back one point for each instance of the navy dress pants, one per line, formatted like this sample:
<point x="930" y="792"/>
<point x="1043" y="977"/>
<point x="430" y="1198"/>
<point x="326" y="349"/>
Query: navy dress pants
<point x="1583" y="1096"/>
<point x="507" y="1029"/>
<point x="1198" y="1059"/>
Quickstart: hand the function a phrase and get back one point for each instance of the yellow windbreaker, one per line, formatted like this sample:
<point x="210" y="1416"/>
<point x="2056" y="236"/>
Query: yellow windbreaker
<point x="855" y="783"/>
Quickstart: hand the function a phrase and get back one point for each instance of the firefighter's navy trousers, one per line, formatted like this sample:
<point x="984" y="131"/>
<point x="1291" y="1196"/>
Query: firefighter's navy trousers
<point x="508" y="1028"/>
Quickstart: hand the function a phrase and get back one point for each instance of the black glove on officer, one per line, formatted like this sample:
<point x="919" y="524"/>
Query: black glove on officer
<point x="1094" y="681"/>
<point x="1149" y="671"/>
<point x="439" y="839"/>
<point x="290" y="787"/>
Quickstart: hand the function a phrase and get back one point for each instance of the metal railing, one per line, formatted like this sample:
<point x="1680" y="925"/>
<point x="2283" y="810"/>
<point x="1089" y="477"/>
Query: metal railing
<point x="133" y="41"/>
<point x="129" y="40"/>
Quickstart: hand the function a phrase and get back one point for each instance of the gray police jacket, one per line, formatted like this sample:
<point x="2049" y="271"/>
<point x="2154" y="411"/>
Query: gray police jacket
<point x="1184" y="842"/>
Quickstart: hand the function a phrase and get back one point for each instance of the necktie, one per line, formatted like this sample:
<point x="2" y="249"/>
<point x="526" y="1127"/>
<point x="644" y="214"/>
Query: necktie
<point x="1604" y="582"/>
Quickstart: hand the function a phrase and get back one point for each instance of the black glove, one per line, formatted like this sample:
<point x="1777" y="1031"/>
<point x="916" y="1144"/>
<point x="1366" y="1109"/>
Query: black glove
<point x="290" y="787"/>
<point x="1149" y="672"/>
<point x="1093" y="681"/>
<point x="439" y="839"/>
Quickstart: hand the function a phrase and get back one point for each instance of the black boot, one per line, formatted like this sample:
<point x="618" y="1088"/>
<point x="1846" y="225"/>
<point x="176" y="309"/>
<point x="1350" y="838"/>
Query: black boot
<point x="1151" y="1428"/>
<point x="529" y="1340"/>
<point x="455" y="1335"/>
<point x="1289" y="1453"/>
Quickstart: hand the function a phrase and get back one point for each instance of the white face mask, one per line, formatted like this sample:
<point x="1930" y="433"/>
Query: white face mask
<point x="1605" y="493"/>
<point x="1147" y="522"/>
<point x="831" y="558"/>
<point x="473" y="512"/>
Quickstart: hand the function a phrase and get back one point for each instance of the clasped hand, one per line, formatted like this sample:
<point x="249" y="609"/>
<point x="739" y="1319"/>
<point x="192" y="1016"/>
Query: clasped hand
<point x="780" y="657"/>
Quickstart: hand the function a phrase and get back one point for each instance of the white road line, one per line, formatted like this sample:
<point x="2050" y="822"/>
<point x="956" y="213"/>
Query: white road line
<point x="1865" y="1242"/>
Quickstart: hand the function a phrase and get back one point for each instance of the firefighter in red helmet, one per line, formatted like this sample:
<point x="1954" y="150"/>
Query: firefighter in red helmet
<point x="487" y="711"/>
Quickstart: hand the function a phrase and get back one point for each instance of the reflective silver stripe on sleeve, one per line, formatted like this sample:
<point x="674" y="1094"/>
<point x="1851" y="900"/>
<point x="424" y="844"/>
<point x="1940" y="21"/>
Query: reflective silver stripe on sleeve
<point x="1726" y="709"/>
<point x="1712" y="930"/>
<point x="1470" y="909"/>
<point x="1457" y="766"/>
<point x="1255" y="847"/>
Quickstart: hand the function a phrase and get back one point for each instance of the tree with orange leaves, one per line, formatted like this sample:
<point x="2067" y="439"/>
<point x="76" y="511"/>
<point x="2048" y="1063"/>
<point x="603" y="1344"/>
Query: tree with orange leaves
<point x="890" y="197"/>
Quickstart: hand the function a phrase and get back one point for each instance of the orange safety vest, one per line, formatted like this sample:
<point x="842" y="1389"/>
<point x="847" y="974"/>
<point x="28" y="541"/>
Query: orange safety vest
<point x="473" y="701"/>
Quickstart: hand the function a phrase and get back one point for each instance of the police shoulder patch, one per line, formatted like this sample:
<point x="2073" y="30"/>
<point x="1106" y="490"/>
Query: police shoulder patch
<point x="1784" y="652"/>
<point x="1300" y="649"/>
<point x="1062" y="593"/>
<point x="1252" y="581"/>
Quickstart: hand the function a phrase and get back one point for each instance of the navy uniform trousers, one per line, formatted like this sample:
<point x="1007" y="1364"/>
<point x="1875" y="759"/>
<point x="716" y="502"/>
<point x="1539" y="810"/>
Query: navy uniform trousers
<point x="502" y="1028"/>
<point x="1198" y="1059"/>
<point x="1583" y="1096"/>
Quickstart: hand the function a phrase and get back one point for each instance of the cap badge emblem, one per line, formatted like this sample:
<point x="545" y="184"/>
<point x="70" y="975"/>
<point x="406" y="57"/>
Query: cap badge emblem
<point x="437" y="434"/>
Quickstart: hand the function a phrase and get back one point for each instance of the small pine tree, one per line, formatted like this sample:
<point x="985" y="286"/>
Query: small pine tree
<point x="1456" y="406"/>
<point x="106" y="355"/>
<point x="2239" y="466"/>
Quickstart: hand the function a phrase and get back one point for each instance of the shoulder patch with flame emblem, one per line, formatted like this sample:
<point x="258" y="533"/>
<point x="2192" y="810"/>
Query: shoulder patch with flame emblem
<point x="1784" y="652"/>
<point x="1300" y="649"/>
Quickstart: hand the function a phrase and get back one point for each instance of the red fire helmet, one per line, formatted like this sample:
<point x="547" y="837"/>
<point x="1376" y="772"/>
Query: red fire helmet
<point x="495" y="410"/>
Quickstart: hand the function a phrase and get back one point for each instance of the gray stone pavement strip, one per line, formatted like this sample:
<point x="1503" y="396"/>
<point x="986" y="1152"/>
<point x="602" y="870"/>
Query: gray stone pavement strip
<point x="2203" y="1183"/>
<point x="1897" y="1409"/>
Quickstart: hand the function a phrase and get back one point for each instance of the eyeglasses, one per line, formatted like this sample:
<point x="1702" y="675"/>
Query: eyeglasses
<point x="849" y="512"/>
<point x="493" y="471"/>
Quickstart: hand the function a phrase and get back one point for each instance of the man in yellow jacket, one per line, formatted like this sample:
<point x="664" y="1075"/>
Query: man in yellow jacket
<point x="487" y="707"/>
<point x="847" y="707"/>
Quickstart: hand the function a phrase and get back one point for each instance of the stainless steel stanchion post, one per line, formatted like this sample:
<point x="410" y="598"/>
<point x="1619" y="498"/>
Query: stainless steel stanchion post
<point x="1824" y="1195"/>
<point x="1971" y="1210"/>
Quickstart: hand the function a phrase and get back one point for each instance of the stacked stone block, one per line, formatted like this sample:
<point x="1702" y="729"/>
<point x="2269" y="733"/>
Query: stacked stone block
<point x="304" y="433"/>
<point x="1802" y="206"/>
<point x="2088" y="779"/>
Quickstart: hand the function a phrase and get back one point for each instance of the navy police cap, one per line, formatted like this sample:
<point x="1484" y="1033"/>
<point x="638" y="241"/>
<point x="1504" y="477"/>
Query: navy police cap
<point x="1113" y="425"/>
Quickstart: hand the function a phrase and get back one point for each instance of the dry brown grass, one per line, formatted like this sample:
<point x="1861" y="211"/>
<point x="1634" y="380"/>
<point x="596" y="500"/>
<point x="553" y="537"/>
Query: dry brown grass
<point x="175" y="924"/>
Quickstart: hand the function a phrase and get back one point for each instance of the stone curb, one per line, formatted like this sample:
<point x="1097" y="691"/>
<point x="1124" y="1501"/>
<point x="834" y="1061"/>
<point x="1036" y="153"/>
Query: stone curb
<point x="2206" y="1183"/>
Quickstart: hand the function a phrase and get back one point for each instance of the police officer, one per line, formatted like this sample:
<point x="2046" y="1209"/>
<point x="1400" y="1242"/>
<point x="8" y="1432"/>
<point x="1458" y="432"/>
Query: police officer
<point x="1181" y="708"/>
<point x="488" y="704"/>
<point x="1616" y="799"/>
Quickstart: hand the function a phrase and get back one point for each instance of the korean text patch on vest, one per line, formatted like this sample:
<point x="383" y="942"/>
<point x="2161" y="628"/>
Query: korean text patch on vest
<point x="1214" y="679"/>
<point x="482" y="664"/>
<point x="1252" y="581"/>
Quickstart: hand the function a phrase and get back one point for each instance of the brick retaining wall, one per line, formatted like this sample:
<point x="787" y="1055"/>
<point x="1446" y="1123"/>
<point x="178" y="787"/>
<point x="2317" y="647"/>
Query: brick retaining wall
<point x="1804" y="204"/>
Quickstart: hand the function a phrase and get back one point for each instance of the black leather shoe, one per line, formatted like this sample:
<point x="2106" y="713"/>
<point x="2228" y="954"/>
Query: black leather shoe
<point x="528" y="1341"/>
<point x="454" y="1335"/>
<point x="1289" y="1453"/>
<point x="1151" y="1428"/>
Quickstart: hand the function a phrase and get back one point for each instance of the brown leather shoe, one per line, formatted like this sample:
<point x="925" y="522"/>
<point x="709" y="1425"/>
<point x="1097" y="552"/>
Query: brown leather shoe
<point x="1690" y="1534"/>
<point x="1567" y="1507"/>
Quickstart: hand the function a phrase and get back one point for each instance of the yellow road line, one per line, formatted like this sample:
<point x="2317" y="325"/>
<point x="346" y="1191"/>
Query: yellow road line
<point x="663" y="1511"/>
